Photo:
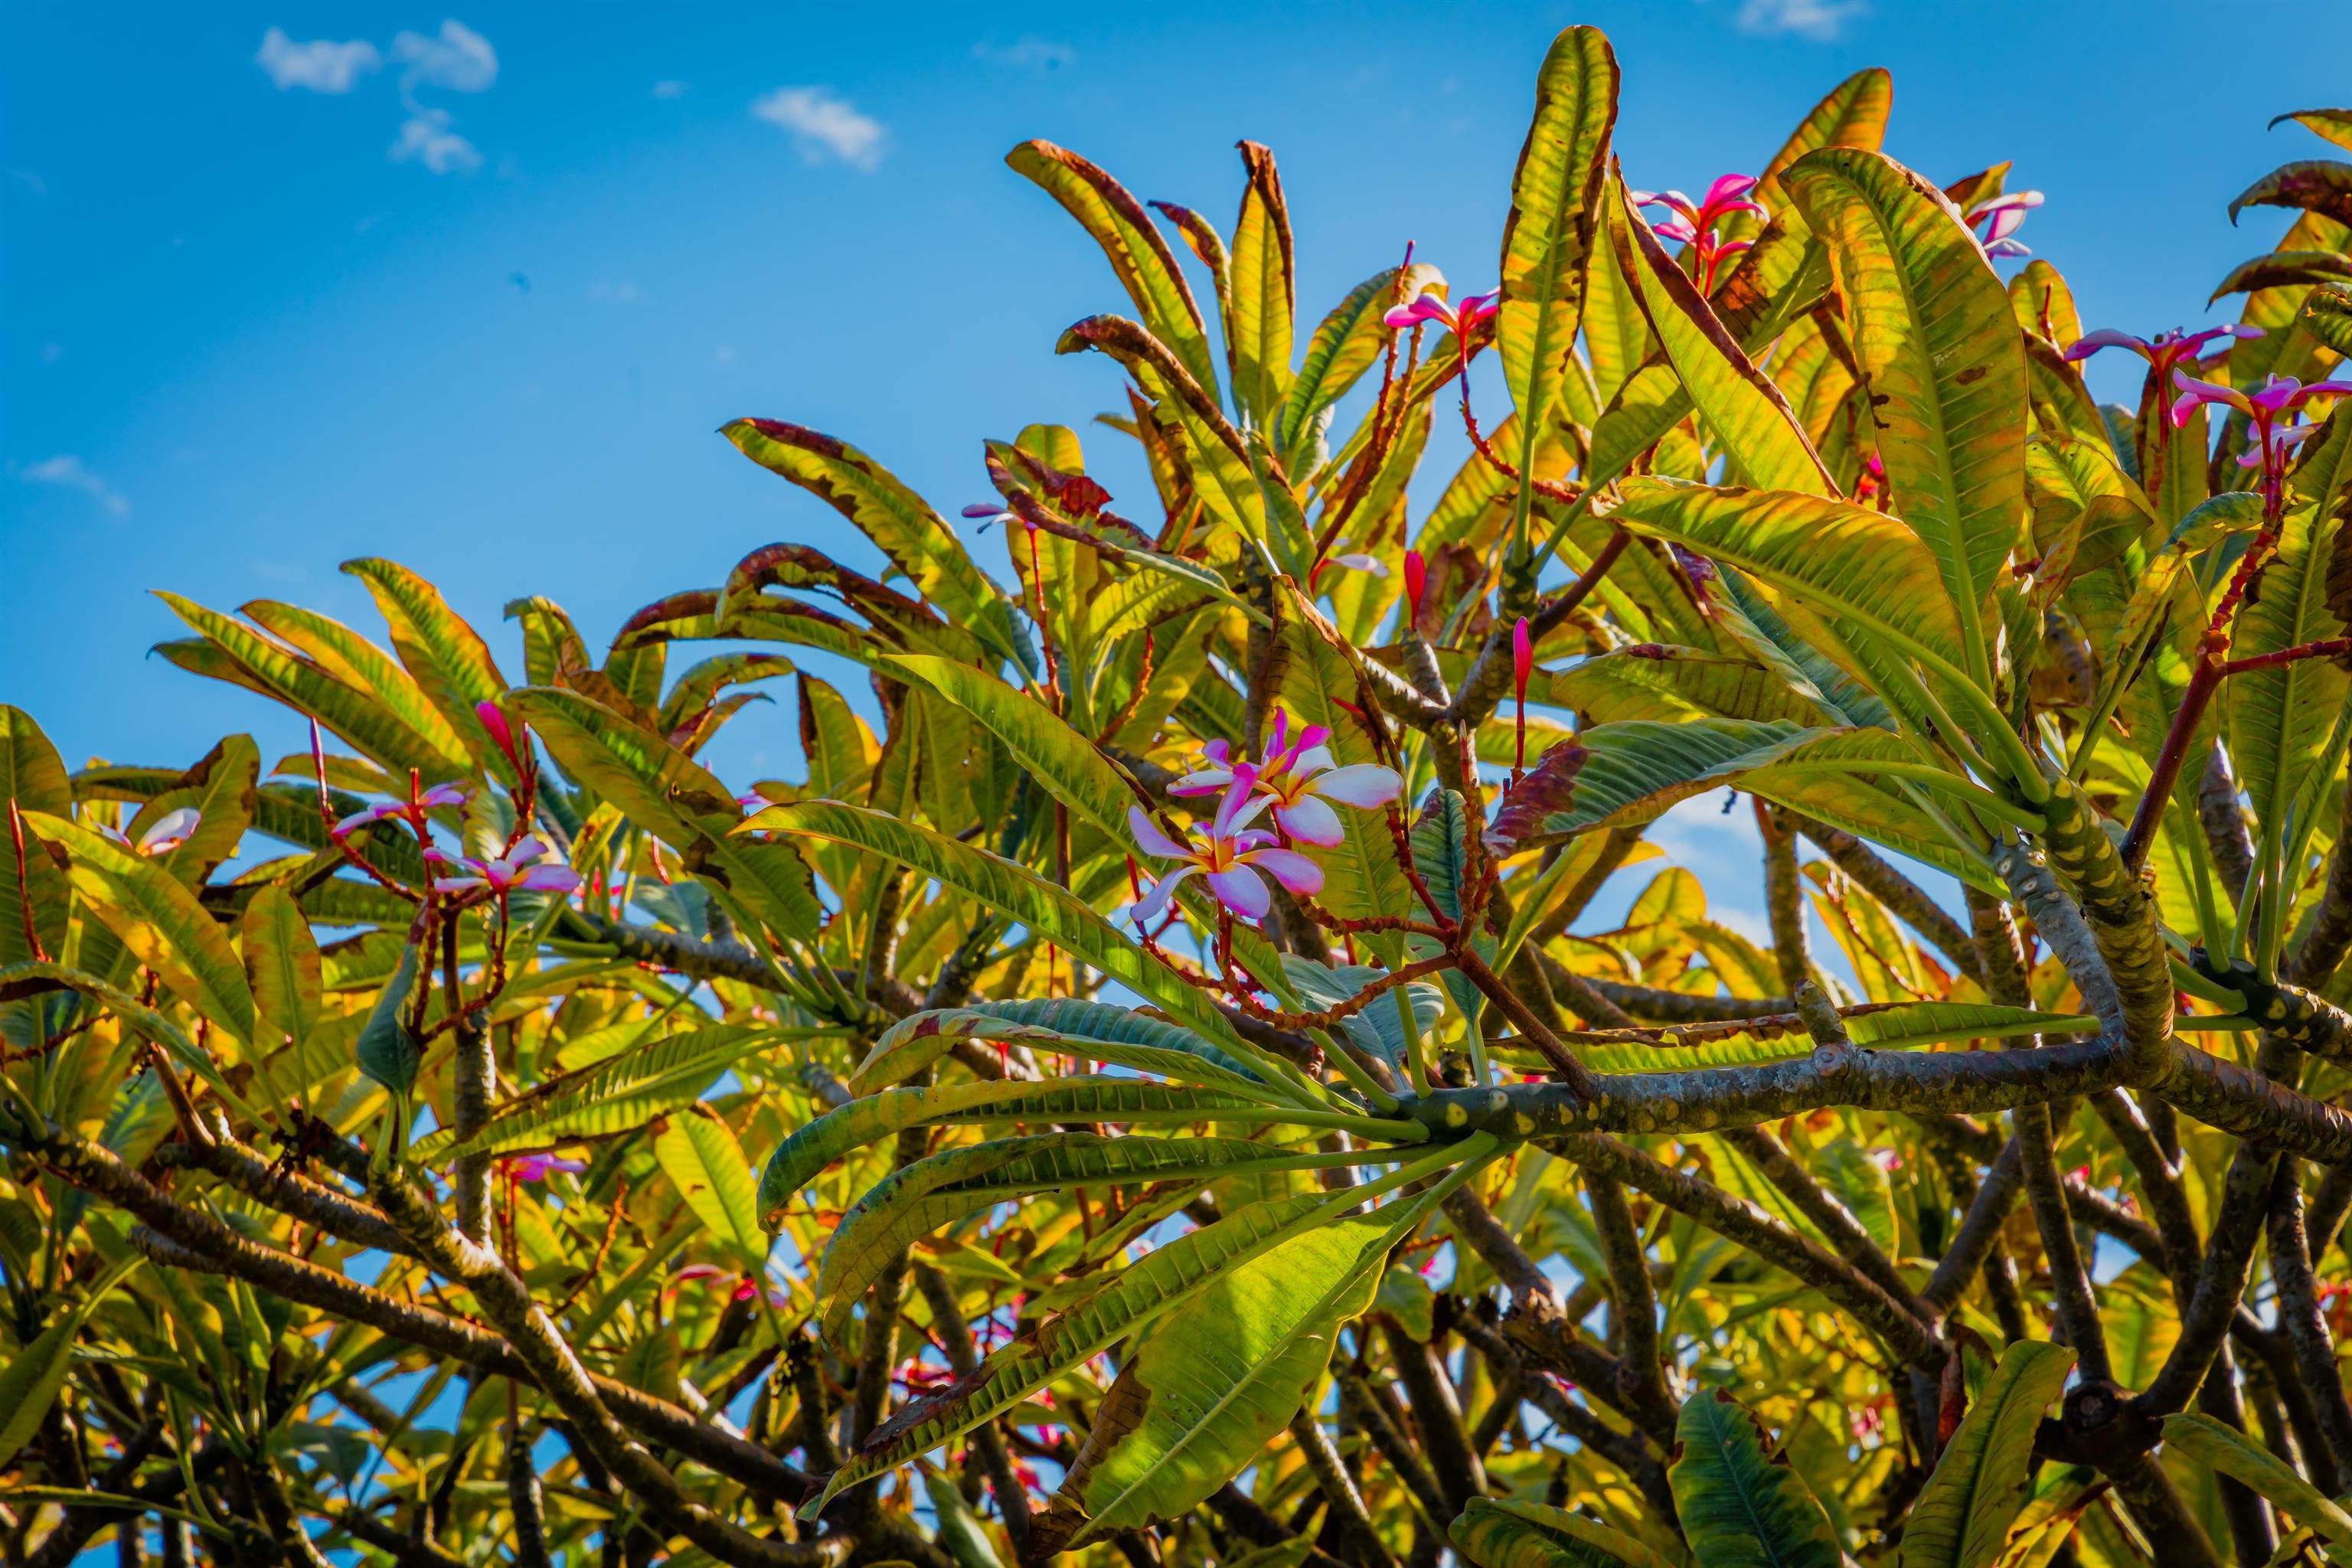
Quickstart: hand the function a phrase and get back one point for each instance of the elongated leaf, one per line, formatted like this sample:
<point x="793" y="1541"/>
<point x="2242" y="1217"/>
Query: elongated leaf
<point x="625" y="1090"/>
<point x="1743" y="407"/>
<point x="281" y="965"/>
<point x="2278" y="718"/>
<point x="1070" y="766"/>
<point x="1837" y="558"/>
<point x="1739" y="1506"/>
<point x="2209" y="1442"/>
<point x="33" y="776"/>
<point x="1130" y="1298"/>
<point x="29" y="1384"/>
<point x="935" y="1191"/>
<point x="1265" y="291"/>
<point x="1962" y="1519"/>
<point x="1147" y="268"/>
<point x="307" y="688"/>
<point x="449" y="658"/>
<point x="1852" y="114"/>
<point x="358" y="662"/>
<point x="1942" y="367"/>
<point x="1555" y="213"/>
<point x="2321" y="185"/>
<point x="1881" y="1025"/>
<point x="1216" y="1378"/>
<point x="1648" y="681"/>
<point x="159" y="919"/>
<point x="918" y="539"/>
<point x="1500" y="1532"/>
<point x="386" y="1051"/>
<point x="699" y="1153"/>
<point x="1067" y="1025"/>
<point x="798" y="1158"/>
<point x="1020" y="894"/>
<point x="1342" y="349"/>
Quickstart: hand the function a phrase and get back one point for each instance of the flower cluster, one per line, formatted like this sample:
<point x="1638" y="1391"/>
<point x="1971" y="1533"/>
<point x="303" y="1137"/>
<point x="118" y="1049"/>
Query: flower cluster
<point x="1695" y="223"/>
<point x="1428" y="306"/>
<point x="519" y="869"/>
<point x="2163" y="353"/>
<point x="166" y="834"/>
<point x="1297" y="781"/>
<point x="2271" y="409"/>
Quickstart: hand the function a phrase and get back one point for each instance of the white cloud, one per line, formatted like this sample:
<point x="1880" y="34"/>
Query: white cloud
<point x="1029" y="53"/>
<point x="1820" y="20"/>
<point x="32" y="182"/>
<point x="825" y="126"/>
<point x="66" y="471"/>
<point x="460" y="60"/>
<point x="623" y="291"/>
<point x="669" y="89"/>
<point x="322" y="65"/>
<point x="425" y="137"/>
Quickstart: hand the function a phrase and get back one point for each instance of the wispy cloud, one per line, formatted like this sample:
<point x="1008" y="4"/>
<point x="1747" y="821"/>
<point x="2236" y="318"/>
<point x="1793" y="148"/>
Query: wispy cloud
<point x="1820" y="20"/>
<point x="1029" y="52"/>
<point x="669" y="89"/>
<point x="459" y="59"/>
<point x="616" y="291"/>
<point x="322" y="65"/>
<point x="825" y="126"/>
<point x="67" y="472"/>
<point x="425" y="137"/>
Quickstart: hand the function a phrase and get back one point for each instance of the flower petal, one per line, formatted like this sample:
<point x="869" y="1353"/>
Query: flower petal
<point x="1367" y="785"/>
<point x="548" y="879"/>
<point x="1356" y="560"/>
<point x="458" y="884"/>
<point x="1147" y="909"/>
<point x="1308" y="821"/>
<point x="1728" y="188"/>
<point x="1242" y="890"/>
<point x="1292" y="869"/>
<point x="1208" y="781"/>
<point x="2089" y="343"/>
<point x="1152" y="839"/>
<point x="1314" y="759"/>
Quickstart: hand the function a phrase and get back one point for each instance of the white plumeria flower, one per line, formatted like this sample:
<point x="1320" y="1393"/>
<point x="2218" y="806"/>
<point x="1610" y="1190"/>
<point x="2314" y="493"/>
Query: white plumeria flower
<point x="1298" y="779"/>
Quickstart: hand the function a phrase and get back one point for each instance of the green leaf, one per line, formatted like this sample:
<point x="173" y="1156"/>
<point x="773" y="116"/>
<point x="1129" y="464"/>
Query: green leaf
<point x="1548" y="237"/>
<point x="1068" y="764"/>
<point x="1343" y="347"/>
<point x="801" y="1157"/>
<point x="308" y="687"/>
<point x="1147" y="268"/>
<point x="34" y="777"/>
<point x="449" y="658"/>
<point x="1851" y="114"/>
<point x="918" y="539"/>
<point x="2205" y="1441"/>
<point x="1265" y="291"/>
<point x="1962" y="1519"/>
<point x="1132" y="1298"/>
<point x="2278" y="718"/>
<point x="1879" y="1026"/>
<point x="29" y="1385"/>
<point x="918" y="1199"/>
<point x="1498" y="1533"/>
<point x="358" y="662"/>
<point x="699" y="1153"/>
<point x="625" y="1090"/>
<point x="1049" y="911"/>
<point x="1943" y="368"/>
<point x="1835" y="558"/>
<point x="1064" y="1025"/>
<point x="1749" y="417"/>
<point x="1217" y="1377"/>
<point x="159" y="919"/>
<point x="281" y="965"/>
<point x="1651" y="682"/>
<point x="385" y="1051"/>
<point x="1739" y="1506"/>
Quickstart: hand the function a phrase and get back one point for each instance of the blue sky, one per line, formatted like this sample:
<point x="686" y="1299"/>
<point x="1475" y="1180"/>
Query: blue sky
<point x="280" y="286"/>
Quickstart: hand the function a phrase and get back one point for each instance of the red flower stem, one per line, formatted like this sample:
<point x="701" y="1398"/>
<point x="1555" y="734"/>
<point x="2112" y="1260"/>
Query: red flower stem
<point x="25" y="884"/>
<point x="2333" y="647"/>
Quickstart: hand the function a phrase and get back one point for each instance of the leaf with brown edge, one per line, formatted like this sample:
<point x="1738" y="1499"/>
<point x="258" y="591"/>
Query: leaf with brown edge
<point x="1265" y="290"/>
<point x="1147" y="268"/>
<point x="1852" y="114"/>
<point x="2281" y="270"/>
<point x="1545" y="789"/>
<point x="2322" y="186"/>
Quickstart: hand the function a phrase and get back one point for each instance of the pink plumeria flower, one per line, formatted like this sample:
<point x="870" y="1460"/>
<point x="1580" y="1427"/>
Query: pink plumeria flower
<point x="1416" y="583"/>
<point x="454" y="795"/>
<point x="1297" y="778"/>
<point x="2275" y="444"/>
<point x="494" y="720"/>
<point x="537" y="1168"/>
<point x="2163" y="351"/>
<point x="1430" y="307"/>
<point x="1234" y="860"/>
<point x="1695" y="223"/>
<point x="2000" y="216"/>
<point x="1523" y="664"/>
<point x="2278" y="394"/>
<point x="1357" y="561"/>
<point x="518" y="868"/>
<point x="163" y="835"/>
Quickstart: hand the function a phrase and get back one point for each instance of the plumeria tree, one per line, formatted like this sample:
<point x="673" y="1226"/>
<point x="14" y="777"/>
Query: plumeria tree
<point x="1182" y="1072"/>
